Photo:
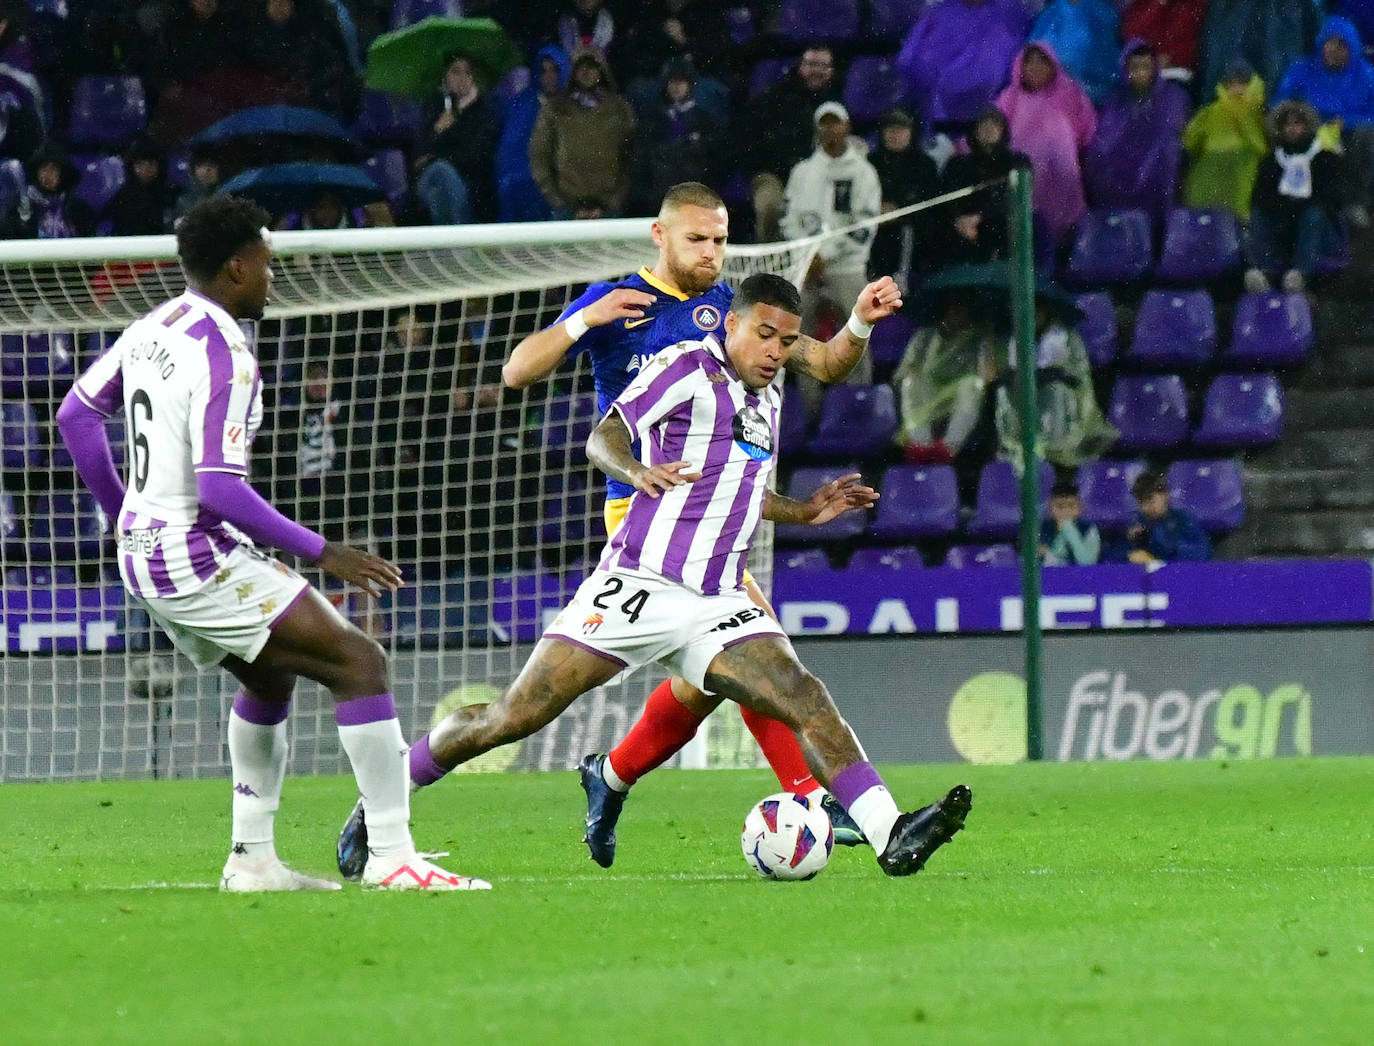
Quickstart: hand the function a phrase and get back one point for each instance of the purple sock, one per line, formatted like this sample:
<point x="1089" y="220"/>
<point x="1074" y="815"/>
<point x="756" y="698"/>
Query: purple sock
<point x="363" y="710"/>
<point x="423" y="769"/>
<point x="253" y="709"/>
<point x="853" y="781"/>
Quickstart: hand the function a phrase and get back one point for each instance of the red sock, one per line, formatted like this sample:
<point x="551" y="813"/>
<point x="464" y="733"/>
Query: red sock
<point x="782" y="751"/>
<point x="662" y="729"/>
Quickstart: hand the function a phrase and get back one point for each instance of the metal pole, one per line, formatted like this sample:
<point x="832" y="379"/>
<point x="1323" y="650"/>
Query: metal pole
<point x="1023" y="323"/>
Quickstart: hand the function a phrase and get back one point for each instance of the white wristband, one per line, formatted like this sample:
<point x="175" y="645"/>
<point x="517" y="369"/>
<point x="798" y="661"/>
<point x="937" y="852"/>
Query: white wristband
<point x="858" y="327"/>
<point x="575" y="325"/>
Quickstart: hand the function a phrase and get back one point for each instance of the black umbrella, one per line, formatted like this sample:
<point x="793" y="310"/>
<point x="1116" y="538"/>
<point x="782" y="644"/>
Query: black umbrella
<point x="287" y="187"/>
<point x="990" y="285"/>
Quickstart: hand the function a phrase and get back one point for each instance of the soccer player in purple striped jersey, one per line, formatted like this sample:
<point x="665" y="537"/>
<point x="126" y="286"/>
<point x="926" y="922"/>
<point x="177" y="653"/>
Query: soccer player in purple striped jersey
<point x="669" y="586"/>
<point x="621" y="327"/>
<point x="188" y="383"/>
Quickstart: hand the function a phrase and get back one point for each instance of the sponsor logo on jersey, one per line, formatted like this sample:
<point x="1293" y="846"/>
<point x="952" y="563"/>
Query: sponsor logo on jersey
<point x="706" y="317"/>
<point x="743" y="617"/>
<point x="753" y="434"/>
<point x="592" y="623"/>
<point x="235" y="445"/>
<point x="141" y="542"/>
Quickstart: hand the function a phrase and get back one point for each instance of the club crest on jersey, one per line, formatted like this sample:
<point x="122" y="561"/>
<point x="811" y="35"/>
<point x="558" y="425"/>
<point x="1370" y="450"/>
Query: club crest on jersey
<point x="753" y="434"/>
<point x="706" y="317"/>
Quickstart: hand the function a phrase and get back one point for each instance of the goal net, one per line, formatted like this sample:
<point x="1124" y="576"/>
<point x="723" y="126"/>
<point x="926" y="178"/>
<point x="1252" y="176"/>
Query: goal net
<point x="386" y="426"/>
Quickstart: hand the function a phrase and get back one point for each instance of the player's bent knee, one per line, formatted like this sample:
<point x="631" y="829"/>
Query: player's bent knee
<point x="366" y="664"/>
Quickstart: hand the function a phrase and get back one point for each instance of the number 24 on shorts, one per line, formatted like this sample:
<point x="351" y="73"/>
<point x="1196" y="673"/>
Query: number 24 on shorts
<point x="632" y="607"/>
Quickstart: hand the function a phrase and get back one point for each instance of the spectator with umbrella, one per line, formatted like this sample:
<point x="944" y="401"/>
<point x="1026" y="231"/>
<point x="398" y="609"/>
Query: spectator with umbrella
<point x="457" y="150"/>
<point x="313" y="195"/>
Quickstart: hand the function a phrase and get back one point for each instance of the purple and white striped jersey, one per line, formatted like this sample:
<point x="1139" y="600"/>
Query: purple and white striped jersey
<point x="688" y="404"/>
<point x="192" y="400"/>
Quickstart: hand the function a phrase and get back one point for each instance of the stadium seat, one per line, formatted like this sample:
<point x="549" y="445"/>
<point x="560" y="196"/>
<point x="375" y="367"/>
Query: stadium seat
<point x="387" y="120"/>
<point x="740" y="20"/>
<point x="64" y="528"/>
<point x="107" y="111"/>
<point x="11" y="529"/>
<point x="49" y="358"/>
<point x="13" y="365"/>
<point x="388" y="170"/>
<point x="12" y="183"/>
<point x="802" y="560"/>
<point x="565" y="511"/>
<point x="101" y="178"/>
<point x="997" y="509"/>
<point x="888" y="344"/>
<point x="1104" y="487"/>
<point x="819" y="21"/>
<point x="871" y="88"/>
<point x="856" y="421"/>
<point x="1150" y="410"/>
<point x="1199" y="246"/>
<point x="803" y="484"/>
<point x="793" y="430"/>
<point x="893" y="19"/>
<point x="1241" y="410"/>
<point x="1173" y="330"/>
<point x="900" y="557"/>
<point x="1271" y="330"/>
<point x="766" y="73"/>
<point x="999" y="555"/>
<point x="568" y="421"/>
<point x="21" y="441"/>
<point x="1213" y="491"/>
<point x="917" y="502"/>
<point x="1097" y="328"/>
<point x="1111" y="247"/>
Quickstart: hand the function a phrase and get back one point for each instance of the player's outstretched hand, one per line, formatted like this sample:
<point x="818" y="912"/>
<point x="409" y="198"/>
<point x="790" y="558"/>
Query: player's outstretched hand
<point x="878" y="300"/>
<point x="357" y="567"/>
<point x="619" y="304"/>
<point x="664" y="477"/>
<point x="839" y="496"/>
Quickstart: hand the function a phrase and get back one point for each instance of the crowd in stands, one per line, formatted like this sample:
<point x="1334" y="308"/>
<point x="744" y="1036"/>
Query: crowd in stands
<point x="806" y="115"/>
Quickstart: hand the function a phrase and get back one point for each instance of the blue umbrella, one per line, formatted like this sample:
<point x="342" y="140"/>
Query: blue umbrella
<point x="286" y="121"/>
<point x="284" y="187"/>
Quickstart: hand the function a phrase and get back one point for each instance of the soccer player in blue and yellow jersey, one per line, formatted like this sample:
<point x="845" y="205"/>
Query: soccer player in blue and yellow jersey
<point x="621" y="326"/>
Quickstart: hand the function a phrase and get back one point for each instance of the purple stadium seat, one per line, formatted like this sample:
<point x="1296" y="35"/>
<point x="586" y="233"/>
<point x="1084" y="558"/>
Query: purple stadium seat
<point x="107" y="111"/>
<point x="1150" y="410"/>
<point x="1211" y="490"/>
<point x="767" y="72"/>
<point x="1271" y="330"/>
<point x="871" y="88"/>
<point x="1111" y="247"/>
<point x="893" y="19"/>
<point x="1241" y="410"/>
<point x="1173" y="330"/>
<point x="388" y="169"/>
<point x="49" y="358"/>
<point x="408" y="12"/>
<point x="740" y="19"/>
<point x="12" y="182"/>
<point x="997" y="509"/>
<point x="793" y="430"/>
<point x="1199" y="246"/>
<point x="803" y="484"/>
<point x="819" y="21"/>
<point x="900" y="557"/>
<point x="856" y="421"/>
<point x="13" y="364"/>
<point x="11" y="530"/>
<point x="889" y="341"/>
<point x="999" y="555"/>
<point x="101" y="178"/>
<point x="1105" y="490"/>
<point x="388" y="120"/>
<point x="1097" y="328"/>
<point x="21" y="440"/>
<point x="568" y="422"/>
<point x="566" y="512"/>
<point x="917" y="502"/>
<point x="64" y="528"/>
<point x="802" y="560"/>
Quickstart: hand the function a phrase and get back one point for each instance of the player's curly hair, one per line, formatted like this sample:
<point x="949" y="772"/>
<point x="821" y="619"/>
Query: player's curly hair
<point x="766" y="288"/>
<point x="214" y="230"/>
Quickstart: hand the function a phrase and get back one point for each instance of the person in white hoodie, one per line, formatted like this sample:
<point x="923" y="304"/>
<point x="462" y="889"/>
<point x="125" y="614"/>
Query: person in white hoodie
<point x="832" y="188"/>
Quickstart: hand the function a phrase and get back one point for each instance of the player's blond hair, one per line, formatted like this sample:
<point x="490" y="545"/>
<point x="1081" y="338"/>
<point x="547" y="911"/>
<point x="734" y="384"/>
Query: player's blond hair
<point x="689" y="194"/>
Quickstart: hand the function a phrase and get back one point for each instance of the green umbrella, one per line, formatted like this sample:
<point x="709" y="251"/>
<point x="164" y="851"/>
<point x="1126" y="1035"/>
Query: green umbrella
<point x="991" y="282"/>
<point x="411" y="61"/>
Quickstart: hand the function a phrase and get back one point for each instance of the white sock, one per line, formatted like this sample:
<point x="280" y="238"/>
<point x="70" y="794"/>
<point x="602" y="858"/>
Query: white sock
<point x="378" y="752"/>
<point x="257" y="758"/>
<point x="612" y="778"/>
<point x="876" y="812"/>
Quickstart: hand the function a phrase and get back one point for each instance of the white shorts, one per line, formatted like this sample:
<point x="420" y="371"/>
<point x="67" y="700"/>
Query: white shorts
<point x="233" y="613"/>
<point x="636" y="619"/>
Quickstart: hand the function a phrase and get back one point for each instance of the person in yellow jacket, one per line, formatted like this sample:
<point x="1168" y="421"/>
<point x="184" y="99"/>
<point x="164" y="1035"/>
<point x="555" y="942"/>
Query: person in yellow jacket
<point x="1225" y="142"/>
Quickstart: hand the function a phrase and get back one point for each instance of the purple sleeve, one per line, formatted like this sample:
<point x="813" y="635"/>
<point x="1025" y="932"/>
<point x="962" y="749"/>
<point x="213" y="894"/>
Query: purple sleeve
<point x="83" y="431"/>
<point x="229" y="497"/>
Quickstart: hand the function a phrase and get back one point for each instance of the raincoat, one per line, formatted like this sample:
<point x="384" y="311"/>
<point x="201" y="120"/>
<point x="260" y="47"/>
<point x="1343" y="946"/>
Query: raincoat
<point x="1226" y="142"/>
<point x="956" y="56"/>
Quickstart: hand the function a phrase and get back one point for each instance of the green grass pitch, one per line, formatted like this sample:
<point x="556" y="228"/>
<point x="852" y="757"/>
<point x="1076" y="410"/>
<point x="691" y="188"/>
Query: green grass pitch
<point x="1131" y="903"/>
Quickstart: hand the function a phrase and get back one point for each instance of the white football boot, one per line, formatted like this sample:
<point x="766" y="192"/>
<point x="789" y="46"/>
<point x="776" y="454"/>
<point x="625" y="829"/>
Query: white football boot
<point x="414" y="871"/>
<point x="269" y="875"/>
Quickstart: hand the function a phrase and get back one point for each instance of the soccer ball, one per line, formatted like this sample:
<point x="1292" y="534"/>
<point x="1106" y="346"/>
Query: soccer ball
<point x="787" y="836"/>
